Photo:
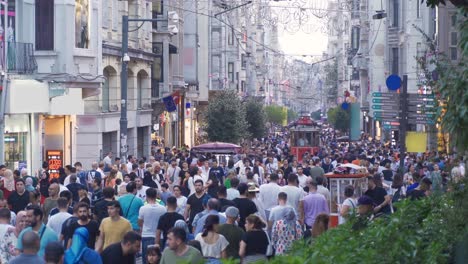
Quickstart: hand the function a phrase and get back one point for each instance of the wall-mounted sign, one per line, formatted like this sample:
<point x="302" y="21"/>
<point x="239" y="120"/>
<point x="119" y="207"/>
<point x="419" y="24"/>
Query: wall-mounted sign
<point x="55" y="161"/>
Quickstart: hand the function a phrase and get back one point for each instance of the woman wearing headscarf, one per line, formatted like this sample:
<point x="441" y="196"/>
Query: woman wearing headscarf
<point x="182" y="224"/>
<point x="285" y="231"/>
<point x="79" y="253"/>
<point x="21" y="222"/>
<point x="7" y="184"/>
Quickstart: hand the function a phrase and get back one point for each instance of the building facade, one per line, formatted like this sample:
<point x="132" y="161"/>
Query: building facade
<point x="51" y="66"/>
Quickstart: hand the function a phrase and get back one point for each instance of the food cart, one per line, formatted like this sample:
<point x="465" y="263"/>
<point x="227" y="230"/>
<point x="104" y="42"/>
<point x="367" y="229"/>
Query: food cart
<point x="343" y="175"/>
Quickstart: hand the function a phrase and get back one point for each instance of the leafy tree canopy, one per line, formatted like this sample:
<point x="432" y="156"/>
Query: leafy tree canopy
<point x="226" y="118"/>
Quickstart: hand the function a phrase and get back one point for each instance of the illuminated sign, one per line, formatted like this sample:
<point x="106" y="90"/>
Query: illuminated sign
<point x="55" y="161"/>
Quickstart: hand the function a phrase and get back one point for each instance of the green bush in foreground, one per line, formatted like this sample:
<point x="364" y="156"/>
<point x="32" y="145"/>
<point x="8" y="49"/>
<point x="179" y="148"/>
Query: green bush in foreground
<point x="432" y="230"/>
<point x="425" y="231"/>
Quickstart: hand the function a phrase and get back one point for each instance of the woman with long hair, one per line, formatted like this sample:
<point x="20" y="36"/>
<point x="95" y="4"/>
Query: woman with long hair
<point x="213" y="244"/>
<point x="254" y="244"/>
<point x="319" y="227"/>
<point x="285" y="231"/>
<point x="110" y="180"/>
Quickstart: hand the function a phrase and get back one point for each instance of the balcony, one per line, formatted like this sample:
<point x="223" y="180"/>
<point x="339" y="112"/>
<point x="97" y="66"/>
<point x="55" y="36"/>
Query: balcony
<point x="20" y="58"/>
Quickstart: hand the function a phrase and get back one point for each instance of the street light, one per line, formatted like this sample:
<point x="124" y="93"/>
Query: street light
<point x="124" y="76"/>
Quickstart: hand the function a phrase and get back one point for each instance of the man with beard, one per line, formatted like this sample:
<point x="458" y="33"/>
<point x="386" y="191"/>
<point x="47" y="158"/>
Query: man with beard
<point x="34" y="217"/>
<point x="85" y="221"/>
<point x="123" y="252"/>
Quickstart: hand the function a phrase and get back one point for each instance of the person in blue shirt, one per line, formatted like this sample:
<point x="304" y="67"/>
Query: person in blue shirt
<point x="34" y="216"/>
<point x="131" y="204"/>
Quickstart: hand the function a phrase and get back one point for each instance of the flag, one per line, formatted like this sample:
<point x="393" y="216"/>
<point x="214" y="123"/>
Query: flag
<point x="176" y="96"/>
<point x="169" y="103"/>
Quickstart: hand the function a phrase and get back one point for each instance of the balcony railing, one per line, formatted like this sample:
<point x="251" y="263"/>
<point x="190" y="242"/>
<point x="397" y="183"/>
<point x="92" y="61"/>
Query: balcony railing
<point x="20" y="58"/>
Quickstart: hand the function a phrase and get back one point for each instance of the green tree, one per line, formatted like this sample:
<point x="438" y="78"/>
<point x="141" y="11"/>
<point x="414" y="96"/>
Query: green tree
<point x="331" y="80"/>
<point x="256" y="118"/>
<point x="452" y="87"/>
<point x="226" y="118"/>
<point x="338" y="118"/>
<point x="292" y="115"/>
<point x="316" y="115"/>
<point x="275" y="114"/>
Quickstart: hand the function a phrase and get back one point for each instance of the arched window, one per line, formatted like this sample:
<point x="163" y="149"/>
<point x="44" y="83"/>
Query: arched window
<point x="105" y="98"/>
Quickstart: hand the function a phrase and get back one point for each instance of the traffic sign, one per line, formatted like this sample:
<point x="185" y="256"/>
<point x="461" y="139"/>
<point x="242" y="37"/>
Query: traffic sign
<point x="387" y="119"/>
<point x="421" y="121"/>
<point x="385" y="101"/>
<point x="421" y="99"/>
<point x="387" y="95"/>
<point x="393" y="82"/>
<point x="416" y="115"/>
<point x="386" y="107"/>
<point x="412" y="108"/>
<point x="386" y="114"/>
<point x="412" y="96"/>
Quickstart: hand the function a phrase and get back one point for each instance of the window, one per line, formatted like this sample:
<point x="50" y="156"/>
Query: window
<point x="355" y="38"/>
<point x="106" y="91"/>
<point x="395" y="13"/>
<point x="115" y="15"/>
<point x="243" y="61"/>
<point x="44" y="25"/>
<point x="82" y="23"/>
<point x="453" y="38"/>
<point x="453" y="20"/>
<point x="105" y="14"/>
<point x="231" y="37"/>
<point x="395" y="60"/>
<point x="242" y="86"/>
<point x="231" y="71"/>
<point x="454" y="53"/>
<point x="418" y="9"/>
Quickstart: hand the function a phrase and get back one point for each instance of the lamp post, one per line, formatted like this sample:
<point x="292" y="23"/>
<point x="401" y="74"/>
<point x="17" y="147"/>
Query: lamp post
<point x="123" y="83"/>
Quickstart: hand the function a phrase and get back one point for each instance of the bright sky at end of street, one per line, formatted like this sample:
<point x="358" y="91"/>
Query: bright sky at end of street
<point x="302" y="43"/>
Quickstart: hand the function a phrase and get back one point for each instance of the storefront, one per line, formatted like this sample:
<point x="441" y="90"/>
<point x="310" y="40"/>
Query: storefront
<point x="17" y="141"/>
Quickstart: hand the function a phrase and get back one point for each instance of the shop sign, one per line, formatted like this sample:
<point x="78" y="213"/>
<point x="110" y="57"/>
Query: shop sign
<point x="55" y="162"/>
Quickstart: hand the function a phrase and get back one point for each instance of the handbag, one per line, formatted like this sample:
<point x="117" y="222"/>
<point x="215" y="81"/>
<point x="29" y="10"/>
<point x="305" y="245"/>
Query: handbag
<point x="270" y="251"/>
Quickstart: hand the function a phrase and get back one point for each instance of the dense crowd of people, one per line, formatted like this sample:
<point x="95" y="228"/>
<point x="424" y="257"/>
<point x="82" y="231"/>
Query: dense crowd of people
<point x="178" y="205"/>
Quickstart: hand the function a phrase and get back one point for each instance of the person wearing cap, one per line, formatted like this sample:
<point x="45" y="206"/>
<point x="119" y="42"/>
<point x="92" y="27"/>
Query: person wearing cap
<point x="366" y="212"/>
<point x="244" y="204"/>
<point x="252" y="195"/>
<point x="232" y="232"/>
<point x="378" y="194"/>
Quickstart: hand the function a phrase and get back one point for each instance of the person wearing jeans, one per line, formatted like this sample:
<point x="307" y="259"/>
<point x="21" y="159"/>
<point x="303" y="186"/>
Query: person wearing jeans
<point x="148" y="219"/>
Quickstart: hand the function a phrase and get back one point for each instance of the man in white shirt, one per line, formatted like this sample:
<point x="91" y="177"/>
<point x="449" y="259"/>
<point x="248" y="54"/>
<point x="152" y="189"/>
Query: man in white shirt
<point x="269" y="192"/>
<point x="141" y="189"/>
<point x="294" y="193"/>
<point x="322" y="189"/>
<point x="301" y="177"/>
<point x="148" y="219"/>
<point x="172" y="174"/>
<point x="130" y="161"/>
<point x="205" y="169"/>
<point x="108" y="160"/>
<point x="233" y="193"/>
<point x="56" y="221"/>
